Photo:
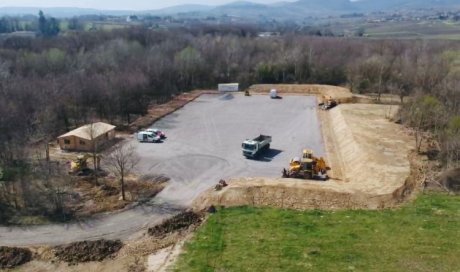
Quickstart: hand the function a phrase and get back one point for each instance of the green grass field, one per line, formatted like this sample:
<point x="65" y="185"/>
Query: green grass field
<point x="422" y="236"/>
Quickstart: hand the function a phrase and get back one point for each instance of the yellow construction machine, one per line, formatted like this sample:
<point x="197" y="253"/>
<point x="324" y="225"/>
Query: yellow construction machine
<point x="328" y="102"/>
<point x="307" y="167"/>
<point x="79" y="166"/>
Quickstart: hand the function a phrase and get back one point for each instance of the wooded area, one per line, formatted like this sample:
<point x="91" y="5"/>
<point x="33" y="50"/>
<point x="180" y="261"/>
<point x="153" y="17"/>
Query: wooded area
<point x="51" y="85"/>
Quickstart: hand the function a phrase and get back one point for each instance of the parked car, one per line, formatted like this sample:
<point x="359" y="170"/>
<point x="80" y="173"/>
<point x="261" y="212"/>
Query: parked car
<point x="148" y="136"/>
<point x="157" y="132"/>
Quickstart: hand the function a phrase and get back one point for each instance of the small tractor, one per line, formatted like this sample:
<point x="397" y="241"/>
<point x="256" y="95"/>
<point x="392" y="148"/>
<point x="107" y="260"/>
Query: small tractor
<point x="219" y="186"/>
<point x="307" y="167"/>
<point x="328" y="102"/>
<point x="79" y="166"/>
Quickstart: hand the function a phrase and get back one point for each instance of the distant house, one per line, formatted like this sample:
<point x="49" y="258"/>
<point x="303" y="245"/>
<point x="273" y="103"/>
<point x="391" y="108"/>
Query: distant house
<point x="87" y="137"/>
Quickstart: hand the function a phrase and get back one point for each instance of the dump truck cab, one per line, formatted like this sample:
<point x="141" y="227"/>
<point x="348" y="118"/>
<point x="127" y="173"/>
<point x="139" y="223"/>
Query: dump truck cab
<point x="252" y="148"/>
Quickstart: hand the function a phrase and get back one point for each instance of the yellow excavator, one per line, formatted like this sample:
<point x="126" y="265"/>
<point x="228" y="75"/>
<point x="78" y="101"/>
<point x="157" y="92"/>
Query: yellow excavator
<point x="328" y="102"/>
<point x="79" y="166"/>
<point x="307" y="167"/>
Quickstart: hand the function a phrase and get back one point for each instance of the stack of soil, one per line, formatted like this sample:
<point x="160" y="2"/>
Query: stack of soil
<point x="178" y="222"/>
<point x="11" y="257"/>
<point x="87" y="251"/>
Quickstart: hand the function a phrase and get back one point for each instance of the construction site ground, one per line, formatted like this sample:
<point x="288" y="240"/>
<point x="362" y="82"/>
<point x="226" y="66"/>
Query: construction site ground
<point x="205" y="137"/>
<point x="368" y="154"/>
<point x="369" y="158"/>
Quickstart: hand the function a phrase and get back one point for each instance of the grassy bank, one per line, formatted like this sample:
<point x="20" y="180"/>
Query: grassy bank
<point x="422" y="236"/>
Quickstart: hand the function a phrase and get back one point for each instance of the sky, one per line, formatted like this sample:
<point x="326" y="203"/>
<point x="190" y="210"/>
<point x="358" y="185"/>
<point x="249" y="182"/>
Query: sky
<point x="116" y="4"/>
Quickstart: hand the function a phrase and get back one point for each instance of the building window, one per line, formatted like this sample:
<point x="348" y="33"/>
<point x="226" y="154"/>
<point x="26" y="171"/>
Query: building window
<point x="66" y="141"/>
<point x="82" y="142"/>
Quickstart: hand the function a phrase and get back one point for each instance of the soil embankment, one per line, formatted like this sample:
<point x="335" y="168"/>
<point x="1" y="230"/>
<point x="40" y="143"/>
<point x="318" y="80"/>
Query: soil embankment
<point x="342" y="95"/>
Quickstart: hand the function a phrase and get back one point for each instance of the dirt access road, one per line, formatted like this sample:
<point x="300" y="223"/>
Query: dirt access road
<point x="203" y="146"/>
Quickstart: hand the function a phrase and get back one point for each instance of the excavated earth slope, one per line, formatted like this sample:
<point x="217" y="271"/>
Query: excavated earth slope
<point x="342" y="95"/>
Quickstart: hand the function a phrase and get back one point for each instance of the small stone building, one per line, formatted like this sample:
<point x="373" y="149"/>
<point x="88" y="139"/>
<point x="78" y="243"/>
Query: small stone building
<point x="87" y="137"/>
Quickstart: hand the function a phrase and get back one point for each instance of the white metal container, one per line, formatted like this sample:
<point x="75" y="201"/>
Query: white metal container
<point x="229" y="87"/>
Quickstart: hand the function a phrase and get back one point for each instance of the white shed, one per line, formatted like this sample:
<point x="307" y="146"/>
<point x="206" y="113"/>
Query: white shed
<point x="229" y="87"/>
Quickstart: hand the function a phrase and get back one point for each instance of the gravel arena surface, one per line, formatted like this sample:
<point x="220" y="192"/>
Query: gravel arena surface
<point x="203" y="146"/>
<point x="370" y="160"/>
<point x="204" y="141"/>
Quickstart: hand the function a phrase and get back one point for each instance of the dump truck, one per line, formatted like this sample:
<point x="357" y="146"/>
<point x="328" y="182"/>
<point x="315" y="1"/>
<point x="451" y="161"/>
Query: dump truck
<point x="307" y="167"/>
<point x="252" y="148"/>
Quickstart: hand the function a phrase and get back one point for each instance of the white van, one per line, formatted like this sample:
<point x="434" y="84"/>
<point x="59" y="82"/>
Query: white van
<point x="147" y="136"/>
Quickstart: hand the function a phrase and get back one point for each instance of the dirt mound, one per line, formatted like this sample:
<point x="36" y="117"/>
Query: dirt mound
<point x="11" y="257"/>
<point x="87" y="251"/>
<point x="451" y="180"/>
<point x="372" y="152"/>
<point x="291" y="194"/>
<point x="342" y="95"/>
<point x="180" y="221"/>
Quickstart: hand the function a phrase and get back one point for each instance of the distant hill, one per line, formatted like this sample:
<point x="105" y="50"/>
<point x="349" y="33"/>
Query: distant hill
<point x="281" y="10"/>
<point x="243" y="9"/>
<point x="180" y="9"/>
<point x="386" y="5"/>
<point x="311" y="7"/>
<point x="60" y="12"/>
<point x="302" y="8"/>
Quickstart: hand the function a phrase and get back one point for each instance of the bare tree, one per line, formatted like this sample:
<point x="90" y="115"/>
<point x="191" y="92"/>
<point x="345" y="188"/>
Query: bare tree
<point x="426" y="113"/>
<point x="93" y="132"/>
<point x="122" y="161"/>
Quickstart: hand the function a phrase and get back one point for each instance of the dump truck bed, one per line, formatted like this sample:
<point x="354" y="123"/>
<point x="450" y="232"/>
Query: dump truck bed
<point x="262" y="138"/>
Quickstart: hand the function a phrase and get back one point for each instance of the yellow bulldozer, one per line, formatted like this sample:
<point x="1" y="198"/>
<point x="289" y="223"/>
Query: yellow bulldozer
<point x="307" y="167"/>
<point x="79" y="166"/>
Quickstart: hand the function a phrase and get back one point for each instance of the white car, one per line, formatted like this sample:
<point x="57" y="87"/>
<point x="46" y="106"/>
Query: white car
<point x="157" y="132"/>
<point x="148" y="136"/>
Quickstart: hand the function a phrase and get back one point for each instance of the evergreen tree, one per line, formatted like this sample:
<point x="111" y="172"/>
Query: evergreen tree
<point x="47" y="28"/>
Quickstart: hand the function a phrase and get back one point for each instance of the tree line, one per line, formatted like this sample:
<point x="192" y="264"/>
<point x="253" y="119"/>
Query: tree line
<point x="50" y="85"/>
<point x="46" y="26"/>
